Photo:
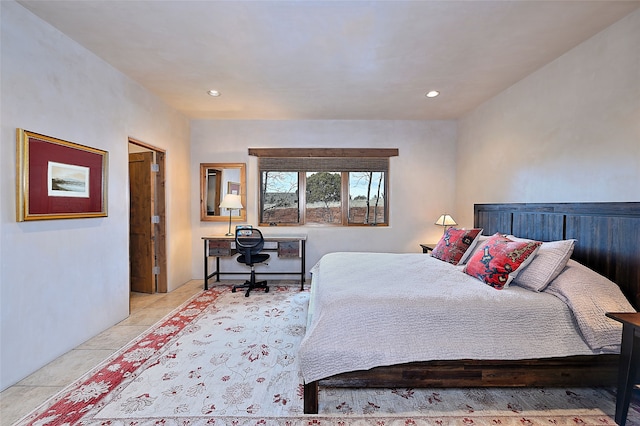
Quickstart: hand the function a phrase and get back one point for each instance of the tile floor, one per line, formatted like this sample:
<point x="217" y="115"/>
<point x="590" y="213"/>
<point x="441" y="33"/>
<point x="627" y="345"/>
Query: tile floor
<point x="145" y="310"/>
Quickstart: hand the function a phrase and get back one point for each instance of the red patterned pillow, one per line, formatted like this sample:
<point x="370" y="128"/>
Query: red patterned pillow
<point x="455" y="243"/>
<point x="500" y="259"/>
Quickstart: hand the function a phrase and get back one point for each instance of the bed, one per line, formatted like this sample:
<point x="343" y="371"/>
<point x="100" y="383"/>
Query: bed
<point x="513" y="337"/>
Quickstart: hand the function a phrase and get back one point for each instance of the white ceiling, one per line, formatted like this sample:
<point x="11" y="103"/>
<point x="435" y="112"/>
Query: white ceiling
<point x="328" y="59"/>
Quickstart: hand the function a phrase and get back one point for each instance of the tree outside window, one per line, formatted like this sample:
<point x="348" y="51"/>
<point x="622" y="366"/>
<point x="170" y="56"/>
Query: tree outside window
<point x="366" y="198"/>
<point x="279" y="198"/>
<point x="323" y="203"/>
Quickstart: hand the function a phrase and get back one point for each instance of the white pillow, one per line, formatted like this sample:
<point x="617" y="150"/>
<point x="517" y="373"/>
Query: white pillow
<point x="550" y="260"/>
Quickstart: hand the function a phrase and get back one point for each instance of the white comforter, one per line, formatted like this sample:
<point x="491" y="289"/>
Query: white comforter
<point x="374" y="309"/>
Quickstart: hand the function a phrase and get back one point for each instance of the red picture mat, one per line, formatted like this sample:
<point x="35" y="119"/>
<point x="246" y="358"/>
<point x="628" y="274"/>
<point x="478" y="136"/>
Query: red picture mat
<point x="39" y="151"/>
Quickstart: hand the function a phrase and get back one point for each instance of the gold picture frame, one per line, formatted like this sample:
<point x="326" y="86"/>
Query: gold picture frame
<point x="57" y="179"/>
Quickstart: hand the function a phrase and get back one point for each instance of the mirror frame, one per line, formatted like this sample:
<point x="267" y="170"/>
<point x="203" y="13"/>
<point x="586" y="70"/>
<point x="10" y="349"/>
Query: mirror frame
<point x="204" y="167"/>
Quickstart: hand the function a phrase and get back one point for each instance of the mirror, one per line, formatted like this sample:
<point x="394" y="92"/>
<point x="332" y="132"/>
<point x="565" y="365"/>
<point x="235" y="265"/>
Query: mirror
<point x="216" y="181"/>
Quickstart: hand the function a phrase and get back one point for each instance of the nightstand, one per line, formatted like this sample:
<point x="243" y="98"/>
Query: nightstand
<point x="629" y="361"/>
<point x="428" y="248"/>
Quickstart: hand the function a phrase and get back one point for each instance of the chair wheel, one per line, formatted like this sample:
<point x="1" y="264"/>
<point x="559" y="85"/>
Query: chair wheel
<point x="266" y="289"/>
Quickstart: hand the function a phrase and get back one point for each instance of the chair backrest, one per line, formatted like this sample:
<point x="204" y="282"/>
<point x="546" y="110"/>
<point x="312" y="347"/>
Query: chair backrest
<point x="249" y="242"/>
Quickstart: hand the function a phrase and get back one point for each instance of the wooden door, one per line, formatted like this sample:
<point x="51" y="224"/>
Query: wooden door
<point x="141" y="228"/>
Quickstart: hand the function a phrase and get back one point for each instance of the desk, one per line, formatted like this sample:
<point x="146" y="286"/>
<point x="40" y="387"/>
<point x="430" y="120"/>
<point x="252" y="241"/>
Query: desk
<point x="629" y="361"/>
<point x="287" y="246"/>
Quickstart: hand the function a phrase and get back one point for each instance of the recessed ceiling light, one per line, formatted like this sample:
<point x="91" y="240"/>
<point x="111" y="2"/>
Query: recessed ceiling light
<point x="214" y="93"/>
<point x="432" y="94"/>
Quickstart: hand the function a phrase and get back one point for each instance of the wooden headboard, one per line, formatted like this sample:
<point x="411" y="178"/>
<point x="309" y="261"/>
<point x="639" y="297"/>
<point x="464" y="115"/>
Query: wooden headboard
<point x="607" y="234"/>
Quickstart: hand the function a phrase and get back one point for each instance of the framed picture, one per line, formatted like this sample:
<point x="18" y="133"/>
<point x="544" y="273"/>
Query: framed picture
<point x="57" y="179"/>
<point x="233" y="188"/>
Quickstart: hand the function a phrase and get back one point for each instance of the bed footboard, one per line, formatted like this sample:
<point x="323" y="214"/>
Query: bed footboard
<point x="573" y="371"/>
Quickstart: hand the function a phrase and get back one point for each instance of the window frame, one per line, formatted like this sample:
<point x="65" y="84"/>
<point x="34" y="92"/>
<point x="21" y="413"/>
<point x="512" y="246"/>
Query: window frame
<point x="300" y="160"/>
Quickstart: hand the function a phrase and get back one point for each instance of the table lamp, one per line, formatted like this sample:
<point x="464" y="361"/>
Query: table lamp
<point x="231" y="202"/>
<point x="445" y="220"/>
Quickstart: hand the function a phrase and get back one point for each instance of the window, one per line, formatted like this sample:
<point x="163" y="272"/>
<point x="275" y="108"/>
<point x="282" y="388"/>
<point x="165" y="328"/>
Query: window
<point x="340" y="187"/>
<point x="367" y="198"/>
<point x="323" y="198"/>
<point x="279" y="197"/>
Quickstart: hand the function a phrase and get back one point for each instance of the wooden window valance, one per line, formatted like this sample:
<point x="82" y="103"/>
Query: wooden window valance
<point x="324" y="159"/>
<point x="324" y="152"/>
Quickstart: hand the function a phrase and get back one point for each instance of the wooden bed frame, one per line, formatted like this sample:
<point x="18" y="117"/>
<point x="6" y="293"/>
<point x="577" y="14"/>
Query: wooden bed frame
<point x="608" y="241"/>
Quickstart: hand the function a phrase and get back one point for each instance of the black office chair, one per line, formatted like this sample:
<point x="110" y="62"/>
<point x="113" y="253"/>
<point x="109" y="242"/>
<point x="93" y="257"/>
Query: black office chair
<point x="249" y="243"/>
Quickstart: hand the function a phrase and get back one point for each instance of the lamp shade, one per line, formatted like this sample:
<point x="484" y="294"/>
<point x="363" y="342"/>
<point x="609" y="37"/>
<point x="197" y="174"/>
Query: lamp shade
<point x="231" y="202"/>
<point x="445" y="220"/>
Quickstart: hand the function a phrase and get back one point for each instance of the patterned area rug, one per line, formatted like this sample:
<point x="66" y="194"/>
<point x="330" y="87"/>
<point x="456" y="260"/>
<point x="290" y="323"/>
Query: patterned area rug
<point x="223" y="359"/>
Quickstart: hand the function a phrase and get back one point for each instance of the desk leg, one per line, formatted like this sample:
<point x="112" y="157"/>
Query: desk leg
<point x="629" y="360"/>
<point x="302" y="262"/>
<point x="206" y="267"/>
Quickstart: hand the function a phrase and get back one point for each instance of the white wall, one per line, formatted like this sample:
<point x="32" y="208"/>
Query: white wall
<point x="64" y="281"/>
<point x="569" y="132"/>
<point x="422" y="177"/>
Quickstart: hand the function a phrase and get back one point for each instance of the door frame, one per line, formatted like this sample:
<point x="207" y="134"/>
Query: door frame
<point x="160" y="242"/>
